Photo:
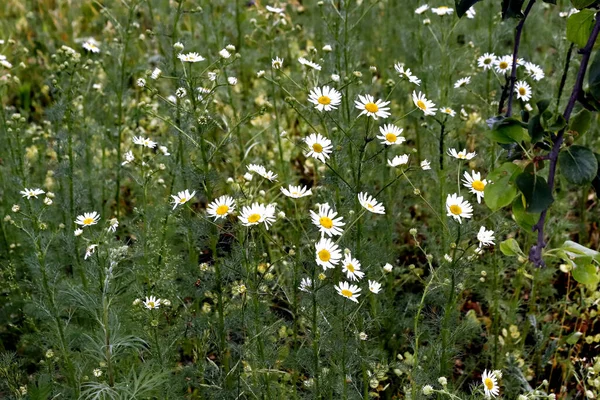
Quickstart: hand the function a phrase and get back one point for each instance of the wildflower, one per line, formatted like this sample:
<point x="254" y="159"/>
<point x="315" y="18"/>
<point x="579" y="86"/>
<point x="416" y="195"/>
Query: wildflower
<point x="390" y="134"/>
<point x="152" y="303"/>
<point x="447" y="258"/>
<point x="374" y="286"/>
<point x="141" y="82"/>
<point x="457" y="208"/>
<point x="475" y="184"/>
<point x="178" y="46"/>
<point x="421" y="9"/>
<point x="503" y="64"/>
<point x="182" y="197"/>
<point x="142" y="141"/>
<point x="262" y="171"/>
<point x="260" y="73"/>
<point x="326" y="221"/>
<point x="443" y="381"/>
<point x="156" y="73"/>
<point x="77" y="231"/>
<point x="372" y="108"/>
<point x="523" y="90"/>
<point x="327" y="48"/>
<point x="370" y="203"/>
<point x="97" y="372"/>
<point x="461" y="155"/>
<point x="225" y="54"/>
<point x="335" y="77"/>
<point x="399" y="67"/>
<point x="320" y="147"/>
<point x="88" y="219"/>
<point x="91" y="46"/>
<point x="363" y="336"/>
<point x="29" y="193"/>
<point x="427" y="106"/>
<point x="470" y="13"/>
<point x="275" y="10"/>
<point x="442" y="10"/>
<point x="164" y="150"/>
<point x="212" y="76"/>
<point x="325" y="98"/>
<point x="277" y="63"/>
<point x="190" y="57"/>
<point x="428" y="390"/>
<point x="398" y="160"/>
<point x="462" y="82"/>
<point x="232" y="80"/>
<point x="308" y="63"/>
<point x="388" y="267"/>
<point x="486" y="61"/>
<point x="89" y="251"/>
<point x="296" y="192"/>
<point x="535" y="71"/>
<point x="485" y="237"/>
<point x="448" y="111"/>
<point x="49" y="353"/>
<point x="258" y="213"/>
<point x="128" y="158"/>
<point x="305" y="285"/>
<point x="347" y="290"/>
<point x="490" y="384"/>
<point x="425" y="165"/>
<point x="113" y="224"/>
<point x="351" y="266"/>
<point x="221" y="207"/>
<point x="327" y="253"/>
<point x="180" y="93"/>
<point x="15" y="208"/>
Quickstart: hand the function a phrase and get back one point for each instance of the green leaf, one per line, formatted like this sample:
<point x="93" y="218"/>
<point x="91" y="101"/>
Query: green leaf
<point x="594" y="75"/>
<point x="509" y="130"/>
<point x="581" y="4"/>
<point x="574" y="249"/>
<point x="524" y="219"/>
<point x="502" y="190"/>
<point x="463" y="5"/>
<point x="579" y="27"/>
<point x="553" y="122"/>
<point x="578" y="165"/>
<point x="543" y="105"/>
<point x="580" y="122"/>
<point x="535" y="129"/>
<point x="512" y="9"/>
<point x="596" y="181"/>
<point x="510" y="247"/>
<point x="586" y="274"/>
<point x="574" y="338"/>
<point x="536" y="191"/>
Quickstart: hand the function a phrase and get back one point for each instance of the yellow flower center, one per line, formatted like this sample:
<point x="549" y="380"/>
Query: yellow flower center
<point x="390" y="137"/>
<point x="317" y="148"/>
<point x="487" y="61"/>
<point x="370" y="206"/>
<point x="347" y="293"/>
<point x="254" y="218"/>
<point x="88" y="221"/>
<point x="503" y="65"/>
<point x="489" y="383"/>
<point x="350" y="267"/>
<point x="478" y="185"/>
<point x="222" y="209"/>
<point x="326" y="222"/>
<point x="371" y="107"/>
<point x="324" y="255"/>
<point x="182" y="200"/>
<point x="462" y="156"/>
<point x="522" y="91"/>
<point x="455" y="209"/>
<point x="324" y="100"/>
<point x="151" y="304"/>
<point x="421" y="105"/>
<point x="443" y="8"/>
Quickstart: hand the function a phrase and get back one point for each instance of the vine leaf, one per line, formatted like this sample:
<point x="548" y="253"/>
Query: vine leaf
<point x="578" y="165"/>
<point x="538" y="195"/>
<point x="580" y="26"/>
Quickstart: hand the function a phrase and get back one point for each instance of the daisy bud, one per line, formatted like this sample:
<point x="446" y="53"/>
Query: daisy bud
<point x="47" y="201"/>
<point x="327" y="48"/>
<point x="61" y="226"/>
<point x="15" y="208"/>
<point x="442" y="380"/>
<point x="357" y="74"/>
<point x="417" y="192"/>
<point x="388" y="267"/>
<point x="50" y="194"/>
<point x="78" y="232"/>
<point x="335" y="77"/>
<point x="373" y="68"/>
<point x="482" y="279"/>
<point x="322" y="276"/>
<point x="362" y="336"/>
<point x="281" y="214"/>
<point x="260" y="73"/>
<point x="230" y="47"/>
<point x="427" y="390"/>
<point x="413" y="231"/>
<point x="426" y="21"/>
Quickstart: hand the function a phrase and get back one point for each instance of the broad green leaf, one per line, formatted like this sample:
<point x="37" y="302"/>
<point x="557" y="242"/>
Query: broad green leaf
<point x="543" y="105"/>
<point x="553" y="122"/>
<point x="586" y="274"/>
<point x="502" y="190"/>
<point x="578" y="165"/>
<point x="596" y="181"/>
<point x="510" y="247"/>
<point x="579" y="27"/>
<point x="509" y="130"/>
<point x="594" y="75"/>
<point x="463" y="5"/>
<point x="574" y="338"/>
<point x="574" y="249"/>
<point x="512" y="8"/>
<point x="581" y="4"/>
<point x="523" y="218"/>
<point x="580" y="122"/>
<point x="535" y="129"/>
<point x="507" y="170"/>
<point x="536" y="191"/>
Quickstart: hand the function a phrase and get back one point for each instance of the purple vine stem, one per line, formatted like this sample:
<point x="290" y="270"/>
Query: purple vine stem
<point x="535" y="253"/>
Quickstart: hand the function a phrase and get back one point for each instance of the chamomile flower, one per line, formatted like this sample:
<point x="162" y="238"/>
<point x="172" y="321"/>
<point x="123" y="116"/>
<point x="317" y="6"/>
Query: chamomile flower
<point x="310" y="64"/>
<point x="471" y="13"/>
<point x="262" y="171"/>
<point x="389" y="134"/>
<point x="274" y="10"/>
<point x="182" y="197"/>
<point x="319" y="146"/>
<point x="374" y="286"/>
<point x="221" y="207"/>
<point x="535" y="71"/>
<point x="152" y="303"/>
<point x="225" y="53"/>
<point x="490" y="384"/>
<point x="296" y="192"/>
<point x="29" y="193"/>
<point x="351" y="266"/>
<point x="425" y="165"/>
<point x="442" y="10"/>
<point x="461" y="155"/>
<point x="503" y="64"/>
<point x="475" y="184"/>
<point x="372" y="108"/>
<point x="485" y="237"/>
<point x="113" y="224"/>
<point x="458" y="208"/>
<point x="486" y="61"/>
<point x="190" y="57"/>
<point x="305" y="285"/>
<point x="325" y="98"/>
<point x="448" y="111"/>
<point x="427" y="106"/>
<point x="257" y="213"/>
<point x="462" y="82"/>
<point x="523" y="90"/>
<point x="399" y="67"/>
<point x="156" y="73"/>
<point x="128" y="158"/>
<point x="327" y="222"/>
<point x="142" y="141"/>
<point x="277" y="63"/>
<point x="398" y="160"/>
<point x="347" y="290"/>
<point x="91" y="249"/>
<point x="91" y="46"/>
<point x="370" y="203"/>
<point x="88" y="219"/>
<point x="327" y="253"/>
<point x="421" y="9"/>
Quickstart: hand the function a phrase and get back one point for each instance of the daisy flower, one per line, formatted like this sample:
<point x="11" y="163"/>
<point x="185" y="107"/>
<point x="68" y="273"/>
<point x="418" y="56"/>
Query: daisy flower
<point x="461" y="155"/>
<point x="88" y="219"/>
<point x="398" y="160"/>
<point x="372" y="108"/>
<point x="425" y="165"/>
<point x="225" y="53"/>
<point x="462" y="82"/>
<point x="503" y="64"/>
<point x="325" y="98"/>
<point x="442" y="10"/>
<point x="351" y="266"/>
<point x="420" y="10"/>
<point x="142" y="141"/>
<point x="347" y="290"/>
<point x="535" y="71"/>
<point x="428" y="107"/>
<point x="29" y="193"/>
<point x="448" y="111"/>
<point x="457" y="208"/>
<point x="486" y="61"/>
<point x="399" y="67"/>
<point x="182" y="197"/>
<point x="327" y="253"/>
<point x="523" y="90"/>
<point x="374" y="286"/>
<point x="305" y="285"/>
<point x="471" y="13"/>
<point x="390" y="134"/>
<point x="296" y="192"/>
<point x="490" y="384"/>
<point x="326" y="221"/>
<point x="128" y="158"/>
<point x="275" y="10"/>
<point x="262" y="171"/>
<point x="308" y="63"/>
<point x="113" y="224"/>
<point x="319" y="146"/>
<point x="221" y="207"/>
<point x="258" y="213"/>
<point x="91" y="46"/>
<point x="475" y="184"/>
<point x="277" y="63"/>
<point x="485" y="237"/>
<point x="89" y="251"/>
<point x="190" y="57"/>
<point x="152" y="303"/>
<point x="370" y="203"/>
